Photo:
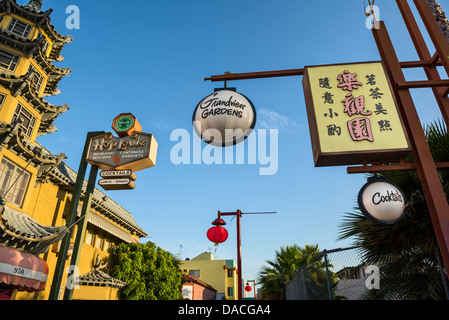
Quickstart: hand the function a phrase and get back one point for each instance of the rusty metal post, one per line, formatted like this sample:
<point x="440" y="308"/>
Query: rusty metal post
<point x="435" y="33"/>
<point x="424" y="54"/>
<point x="424" y="163"/>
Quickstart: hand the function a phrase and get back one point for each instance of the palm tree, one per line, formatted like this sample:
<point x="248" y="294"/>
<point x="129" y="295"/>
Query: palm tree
<point x="281" y="271"/>
<point x="440" y="17"/>
<point x="405" y="251"/>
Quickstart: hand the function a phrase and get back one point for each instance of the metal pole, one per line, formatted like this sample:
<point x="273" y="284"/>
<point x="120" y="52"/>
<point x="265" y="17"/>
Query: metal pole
<point x="424" y="54"/>
<point x="228" y="76"/>
<point x="443" y="275"/>
<point x="441" y="45"/>
<point x="239" y="213"/>
<point x="422" y="156"/>
<point x="239" y="256"/>
<point x="329" y="287"/>
<point x="82" y="223"/>
<point x="71" y="216"/>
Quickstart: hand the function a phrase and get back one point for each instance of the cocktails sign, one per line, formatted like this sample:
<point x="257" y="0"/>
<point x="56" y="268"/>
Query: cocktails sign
<point x="381" y="201"/>
<point x="353" y="116"/>
<point x="224" y="118"/>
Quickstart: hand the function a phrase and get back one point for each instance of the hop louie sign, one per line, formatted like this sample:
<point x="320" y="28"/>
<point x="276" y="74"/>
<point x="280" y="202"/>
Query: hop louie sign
<point x="224" y="118"/>
<point x="135" y="152"/>
<point x="121" y="156"/>
<point x="382" y="201"/>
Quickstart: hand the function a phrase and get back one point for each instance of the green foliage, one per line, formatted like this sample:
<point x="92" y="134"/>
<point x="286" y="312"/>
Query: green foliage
<point x="281" y="271"/>
<point x="151" y="272"/>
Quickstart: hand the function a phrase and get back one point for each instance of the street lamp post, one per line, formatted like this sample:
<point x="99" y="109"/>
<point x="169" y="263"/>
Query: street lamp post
<point x="254" y="286"/>
<point x="238" y="214"/>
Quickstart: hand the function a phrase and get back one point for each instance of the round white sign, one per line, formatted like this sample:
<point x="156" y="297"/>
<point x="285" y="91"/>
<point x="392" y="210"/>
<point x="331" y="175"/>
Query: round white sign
<point x="382" y="201"/>
<point x="224" y="118"/>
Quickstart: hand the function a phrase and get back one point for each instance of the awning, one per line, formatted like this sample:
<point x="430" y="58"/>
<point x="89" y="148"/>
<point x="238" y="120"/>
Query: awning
<point x="22" y="270"/>
<point x="109" y="227"/>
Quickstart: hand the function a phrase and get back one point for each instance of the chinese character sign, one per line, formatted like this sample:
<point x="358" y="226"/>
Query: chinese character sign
<point x="352" y="114"/>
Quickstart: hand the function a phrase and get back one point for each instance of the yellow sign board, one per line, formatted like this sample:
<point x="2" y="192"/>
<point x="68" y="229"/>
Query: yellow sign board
<point x="353" y="116"/>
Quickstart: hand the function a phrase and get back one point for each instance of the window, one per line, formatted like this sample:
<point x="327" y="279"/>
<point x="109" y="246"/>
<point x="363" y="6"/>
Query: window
<point x="107" y="245"/>
<point x="13" y="182"/>
<point x="37" y="80"/>
<point x="98" y="242"/>
<point x="2" y="99"/>
<point x="195" y="273"/>
<point x="28" y="119"/>
<point x="89" y="238"/>
<point x="45" y="44"/>
<point x="230" y="273"/>
<point x="19" y="28"/>
<point x="8" y="60"/>
<point x="230" y="291"/>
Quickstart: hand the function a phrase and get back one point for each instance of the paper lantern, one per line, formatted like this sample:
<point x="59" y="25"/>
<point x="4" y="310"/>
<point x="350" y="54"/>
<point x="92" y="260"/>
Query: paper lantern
<point x="217" y="234"/>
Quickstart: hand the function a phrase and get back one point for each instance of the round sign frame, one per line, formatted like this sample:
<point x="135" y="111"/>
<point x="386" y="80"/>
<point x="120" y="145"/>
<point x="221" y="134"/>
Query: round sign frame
<point x="377" y="179"/>
<point x="235" y="140"/>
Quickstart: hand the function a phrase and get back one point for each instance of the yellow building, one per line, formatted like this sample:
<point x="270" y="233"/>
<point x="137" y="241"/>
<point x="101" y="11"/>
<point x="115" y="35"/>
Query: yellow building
<point x="220" y="274"/>
<point x="36" y="186"/>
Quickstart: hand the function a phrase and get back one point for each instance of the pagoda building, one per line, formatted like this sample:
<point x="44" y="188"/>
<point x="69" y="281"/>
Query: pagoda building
<point x="35" y="185"/>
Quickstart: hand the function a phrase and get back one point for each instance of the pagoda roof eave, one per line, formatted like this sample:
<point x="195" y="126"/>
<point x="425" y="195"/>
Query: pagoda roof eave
<point x="18" y="230"/>
<point x="52" y="71"/>
<point x="12" y="138"/>
<point x="16" y="42"/>
<point x="23" y="87"/>
<point x="10" y="6"/>
<point x="57" y="38"/>
<point x="42" y="20"/>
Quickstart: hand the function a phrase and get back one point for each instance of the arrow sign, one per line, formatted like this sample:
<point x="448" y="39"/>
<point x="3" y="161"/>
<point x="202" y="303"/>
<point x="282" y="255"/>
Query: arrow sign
<point x="117" y="184"/>
<point x="115" y="174"/>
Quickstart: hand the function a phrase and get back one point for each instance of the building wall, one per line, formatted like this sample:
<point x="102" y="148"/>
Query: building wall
<point x="215" y="273"/>
<point x="95" y="293"/>
<point x="199" y="292"/>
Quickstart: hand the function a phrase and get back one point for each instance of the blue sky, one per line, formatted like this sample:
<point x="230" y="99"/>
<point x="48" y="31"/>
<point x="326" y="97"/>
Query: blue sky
<point x="151" y="57"/>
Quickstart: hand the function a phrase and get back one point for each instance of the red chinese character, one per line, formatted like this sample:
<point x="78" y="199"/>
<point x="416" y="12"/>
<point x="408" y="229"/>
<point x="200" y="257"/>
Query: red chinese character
<point x="360" y="129"/>
<point x="355" y="105"/>
<point x="348" y="81"/>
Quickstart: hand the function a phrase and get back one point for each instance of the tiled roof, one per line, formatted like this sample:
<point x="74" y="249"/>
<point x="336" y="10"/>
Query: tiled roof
<point x="20" y="231"/>
<point x="187" y="278"/>
<point x="99" y="279"/>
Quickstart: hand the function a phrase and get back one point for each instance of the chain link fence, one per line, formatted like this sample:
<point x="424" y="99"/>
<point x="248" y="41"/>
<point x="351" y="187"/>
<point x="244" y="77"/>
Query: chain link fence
<point x="344" y="274"/>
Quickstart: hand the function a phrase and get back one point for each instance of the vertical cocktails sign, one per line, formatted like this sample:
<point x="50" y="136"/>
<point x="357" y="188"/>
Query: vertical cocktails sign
<point x="352" y="115"/>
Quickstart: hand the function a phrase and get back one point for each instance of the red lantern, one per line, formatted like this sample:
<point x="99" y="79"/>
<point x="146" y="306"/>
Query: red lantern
<point x="217" y="234"/>
<point x="248" y="288"/>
